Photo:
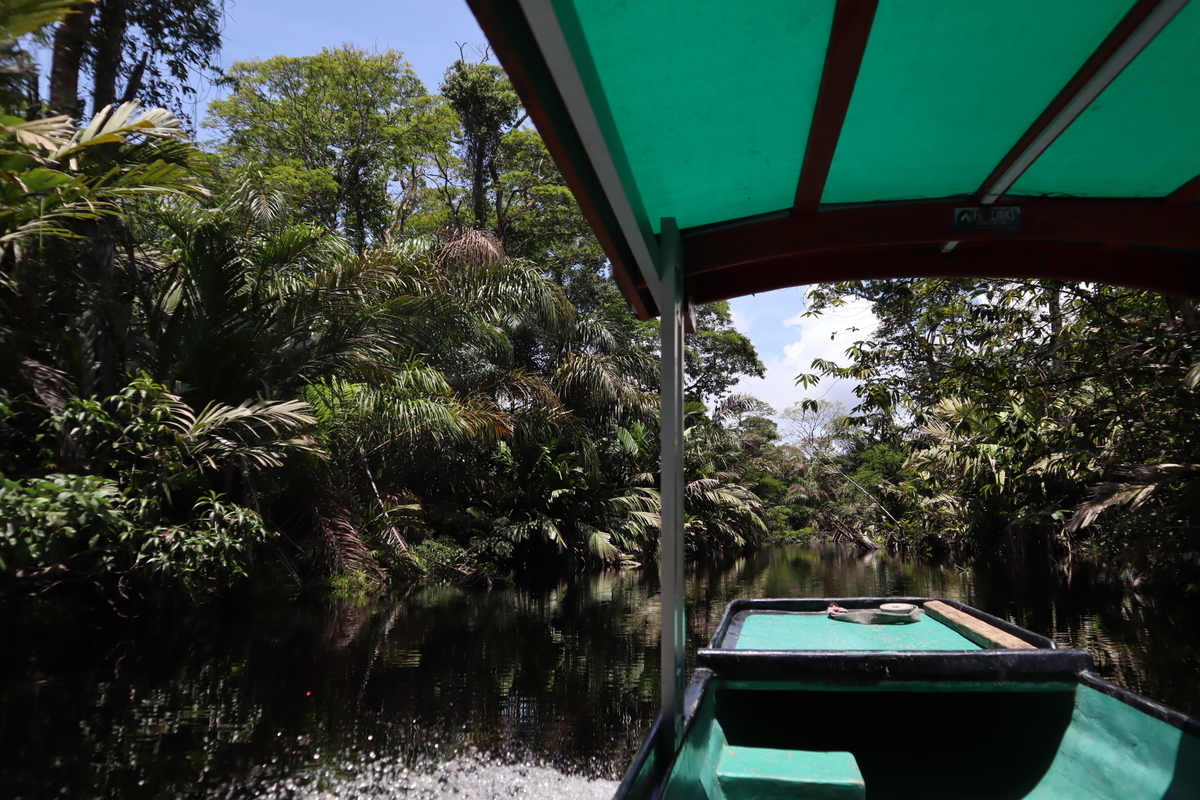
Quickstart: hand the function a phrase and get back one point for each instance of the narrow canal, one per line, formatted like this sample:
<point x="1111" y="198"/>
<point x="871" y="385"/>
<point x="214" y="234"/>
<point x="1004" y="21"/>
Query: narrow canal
<point x="552" y="685"/>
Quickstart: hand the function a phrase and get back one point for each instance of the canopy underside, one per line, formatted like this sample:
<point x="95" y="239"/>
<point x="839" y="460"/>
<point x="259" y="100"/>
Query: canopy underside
<point x="799" y="141"/>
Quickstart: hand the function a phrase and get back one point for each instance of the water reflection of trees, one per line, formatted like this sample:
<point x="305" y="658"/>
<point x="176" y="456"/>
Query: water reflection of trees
<point x="566" y="673"/>
<point x="567" y="676"/>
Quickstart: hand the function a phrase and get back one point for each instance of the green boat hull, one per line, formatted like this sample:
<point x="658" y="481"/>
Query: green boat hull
<point x="891" y="724"/>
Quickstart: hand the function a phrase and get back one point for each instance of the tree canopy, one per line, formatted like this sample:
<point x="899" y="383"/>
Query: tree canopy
<point x="334" y="130"/>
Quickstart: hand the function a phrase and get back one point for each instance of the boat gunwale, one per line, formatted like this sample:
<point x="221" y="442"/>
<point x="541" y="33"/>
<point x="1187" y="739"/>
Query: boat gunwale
<point x="660" y="774"/>
<point x="1151" y="708"/>
<point x="857" y="667"/>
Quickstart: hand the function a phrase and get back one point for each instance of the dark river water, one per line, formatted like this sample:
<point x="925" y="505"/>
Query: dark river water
<point x="329" y="700"/>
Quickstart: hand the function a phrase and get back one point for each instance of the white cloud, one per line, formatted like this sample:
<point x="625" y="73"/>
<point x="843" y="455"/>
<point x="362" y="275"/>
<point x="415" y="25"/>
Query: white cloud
<point x="742" y="318"/>
<point x="826" y="336"/>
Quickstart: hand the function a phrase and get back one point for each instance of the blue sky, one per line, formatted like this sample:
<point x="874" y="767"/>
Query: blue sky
<point x="787" y="343"/>
<point x="425" y="30"/>
<point x="429" y="33"/>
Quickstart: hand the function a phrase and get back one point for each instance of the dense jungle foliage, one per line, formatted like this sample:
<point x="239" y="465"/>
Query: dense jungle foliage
<point x="364" y="335"/>
<point x="1039" y="414"/>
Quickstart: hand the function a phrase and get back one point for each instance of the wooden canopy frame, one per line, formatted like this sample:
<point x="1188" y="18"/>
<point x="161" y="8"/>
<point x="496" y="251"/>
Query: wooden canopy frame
<point x="1144" y="243"/>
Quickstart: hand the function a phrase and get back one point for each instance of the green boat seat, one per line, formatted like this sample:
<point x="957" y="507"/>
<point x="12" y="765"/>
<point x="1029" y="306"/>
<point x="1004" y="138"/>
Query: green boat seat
<point x="760" y="773"/>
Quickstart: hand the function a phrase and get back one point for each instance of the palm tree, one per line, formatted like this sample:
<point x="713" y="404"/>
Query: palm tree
<point x="721" y="513"/>
<point x="63" y="194"/>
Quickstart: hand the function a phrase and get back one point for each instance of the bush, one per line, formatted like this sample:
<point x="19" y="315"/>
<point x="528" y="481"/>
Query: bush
<point x="132" y="507"/>
<point x="84" y="526"/>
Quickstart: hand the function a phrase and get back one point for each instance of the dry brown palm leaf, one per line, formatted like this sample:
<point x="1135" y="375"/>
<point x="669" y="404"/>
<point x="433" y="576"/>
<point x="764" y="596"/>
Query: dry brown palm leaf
<point x="468" y="247"/>
<point x="52" y="386"/>
<point x="342" y="548"/>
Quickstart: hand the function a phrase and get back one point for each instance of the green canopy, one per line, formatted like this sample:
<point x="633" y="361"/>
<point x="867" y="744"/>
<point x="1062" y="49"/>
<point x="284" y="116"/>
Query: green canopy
<point x="798" y="141"/>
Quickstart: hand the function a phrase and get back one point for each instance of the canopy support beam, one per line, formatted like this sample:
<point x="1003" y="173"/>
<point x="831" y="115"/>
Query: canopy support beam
<point x="1131" y="36"/>
<point x="1186" y="195"/>
<point x="514" y="42"/>
<point x="1137" y="268"/>
<point x="1039" y="221"/>
<point x="673" y="308"/>
<point x="552" y="42"/>
<point x="852" y="22"/>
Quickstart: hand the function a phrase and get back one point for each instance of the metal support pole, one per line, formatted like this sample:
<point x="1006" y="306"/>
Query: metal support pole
<point x="674" y="631"/>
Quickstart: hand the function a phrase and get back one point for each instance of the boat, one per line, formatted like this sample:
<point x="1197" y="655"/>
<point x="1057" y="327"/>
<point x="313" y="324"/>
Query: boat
<point x="789" y="701"/>
<point x="720" y="150"/>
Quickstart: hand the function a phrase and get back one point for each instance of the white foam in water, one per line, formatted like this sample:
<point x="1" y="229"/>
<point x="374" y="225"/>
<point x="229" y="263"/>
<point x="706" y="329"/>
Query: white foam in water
<point x="464" y="778"/>
<point x="471" y="780"/>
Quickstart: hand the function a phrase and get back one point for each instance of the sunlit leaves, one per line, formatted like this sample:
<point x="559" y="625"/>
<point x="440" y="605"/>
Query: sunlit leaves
<point x="331" y="129"/>
<point x="1016" y="396"/>
<point x="52" y="175"/>
<point x="114" y="525"/>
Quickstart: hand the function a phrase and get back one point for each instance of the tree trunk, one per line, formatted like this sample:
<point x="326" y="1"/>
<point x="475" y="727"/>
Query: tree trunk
<point x="103" y="255"/>
<point x="134" y="84"/>
<point x="501" y="211"/>
<point x="1055" y="312"/>
<point x="70" y="39"/>
<point x="109" y="50"/>
<point x="355" y="221"/>
<point x="479" y="188"/>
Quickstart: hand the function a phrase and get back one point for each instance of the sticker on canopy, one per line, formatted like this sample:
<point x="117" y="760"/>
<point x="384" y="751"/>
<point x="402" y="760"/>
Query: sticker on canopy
<point x="987" y="218"/>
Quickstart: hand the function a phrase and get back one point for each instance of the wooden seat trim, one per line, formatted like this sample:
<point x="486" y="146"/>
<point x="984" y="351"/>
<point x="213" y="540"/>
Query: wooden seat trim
<point x="981" y="633"/>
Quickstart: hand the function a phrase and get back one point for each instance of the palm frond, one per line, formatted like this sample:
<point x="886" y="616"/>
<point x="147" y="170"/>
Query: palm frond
<point x="48" y="133"/>
<point x="467" y="247"/>
<point x="252" y="433"/>
<point x="20" y="17"/>
<point x="120" y="124"/>
<point x="1141" y="482"/>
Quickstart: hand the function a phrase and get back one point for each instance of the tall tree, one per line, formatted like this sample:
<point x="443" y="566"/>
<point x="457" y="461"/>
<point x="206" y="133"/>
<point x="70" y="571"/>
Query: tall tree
<point x="718" y="355"/>
<point x="332" y="129"/>
<point x="487" y="109"/>
<point x="819" y="430"/>
<point x="150" y="50"/>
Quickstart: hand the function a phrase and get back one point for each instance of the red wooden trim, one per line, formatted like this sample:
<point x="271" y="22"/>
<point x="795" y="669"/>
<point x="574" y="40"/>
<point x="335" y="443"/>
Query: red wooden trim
<point x="847" y="42"/>
<point x="1112" y="43"/>
<point x="554" y="124"/>
<point x="1186" y="195"/>
<point x="898" y="225"/>
<point x="1138" y="269"/>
